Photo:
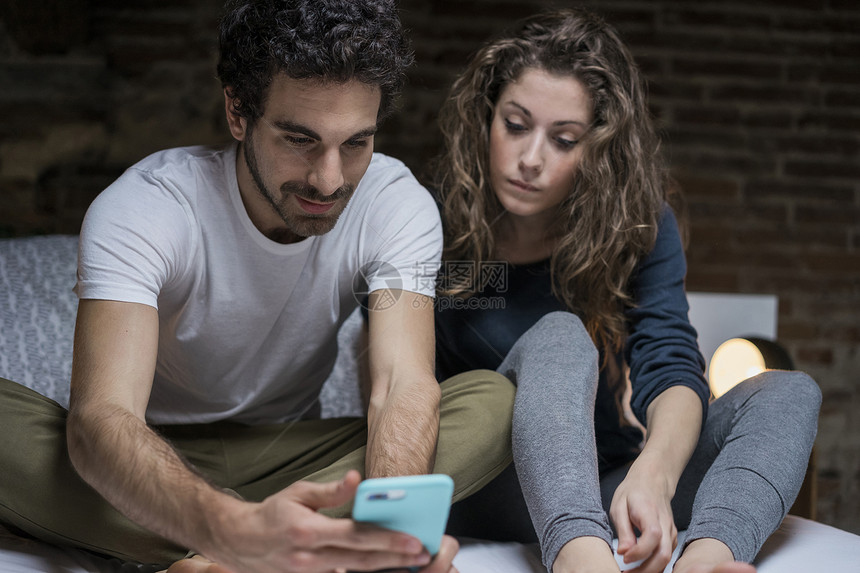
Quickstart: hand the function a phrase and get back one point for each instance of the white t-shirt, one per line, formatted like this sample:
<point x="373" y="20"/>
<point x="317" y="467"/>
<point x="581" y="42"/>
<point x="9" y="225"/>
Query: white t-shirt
<point x="247" y="326"/>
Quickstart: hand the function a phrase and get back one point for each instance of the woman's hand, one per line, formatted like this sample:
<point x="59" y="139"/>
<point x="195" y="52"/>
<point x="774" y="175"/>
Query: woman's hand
<point x="643" y="502"/>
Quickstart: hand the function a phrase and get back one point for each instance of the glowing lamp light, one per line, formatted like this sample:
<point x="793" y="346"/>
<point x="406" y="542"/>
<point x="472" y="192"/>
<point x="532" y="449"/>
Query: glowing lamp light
<point x="737" y="359"/>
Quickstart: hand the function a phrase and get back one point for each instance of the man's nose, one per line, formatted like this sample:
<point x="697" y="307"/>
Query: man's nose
<point x="327" y="172"/>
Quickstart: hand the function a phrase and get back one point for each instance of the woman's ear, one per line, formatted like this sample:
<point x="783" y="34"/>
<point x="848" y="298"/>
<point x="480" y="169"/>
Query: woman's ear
<point x="238" y="124"/>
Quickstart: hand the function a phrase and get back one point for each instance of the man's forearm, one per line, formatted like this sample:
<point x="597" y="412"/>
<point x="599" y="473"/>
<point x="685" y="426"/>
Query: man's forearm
<point x="403" y="426"/>
<point x="403" y="413"/>
<point x="142" y="475"/>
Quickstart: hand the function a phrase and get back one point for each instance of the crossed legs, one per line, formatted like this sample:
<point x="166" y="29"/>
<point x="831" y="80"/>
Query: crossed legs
<point x="42" y="495"/>
<point x="742" y="479"/>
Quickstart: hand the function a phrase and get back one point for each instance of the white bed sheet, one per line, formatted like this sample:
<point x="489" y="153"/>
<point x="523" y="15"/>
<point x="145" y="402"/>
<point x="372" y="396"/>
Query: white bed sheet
<point x="798" y="546"/>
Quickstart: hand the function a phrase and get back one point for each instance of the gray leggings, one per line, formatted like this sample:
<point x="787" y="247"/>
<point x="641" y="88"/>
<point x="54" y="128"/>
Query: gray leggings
<point x="743" y="477"/>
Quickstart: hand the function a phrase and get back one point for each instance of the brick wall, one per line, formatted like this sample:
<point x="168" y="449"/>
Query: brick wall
<point x="759" y="103"/>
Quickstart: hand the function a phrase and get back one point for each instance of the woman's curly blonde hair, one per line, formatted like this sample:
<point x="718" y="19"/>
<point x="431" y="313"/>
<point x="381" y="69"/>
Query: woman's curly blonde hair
<point x="609" y="219"/>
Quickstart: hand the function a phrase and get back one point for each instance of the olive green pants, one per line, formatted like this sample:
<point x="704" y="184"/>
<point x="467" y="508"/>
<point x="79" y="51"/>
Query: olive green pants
<point x="42" y="495"/>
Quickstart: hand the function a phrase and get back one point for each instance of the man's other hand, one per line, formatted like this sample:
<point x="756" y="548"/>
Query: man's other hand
<point x="286" y="534"/>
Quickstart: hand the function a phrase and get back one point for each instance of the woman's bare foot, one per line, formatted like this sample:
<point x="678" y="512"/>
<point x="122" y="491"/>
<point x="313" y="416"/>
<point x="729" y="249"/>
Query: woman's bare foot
<point x="735" y="567"/>
<point x="709" y="556"/>
<point x="585" y="555"/>
<point x="196" y="564"/>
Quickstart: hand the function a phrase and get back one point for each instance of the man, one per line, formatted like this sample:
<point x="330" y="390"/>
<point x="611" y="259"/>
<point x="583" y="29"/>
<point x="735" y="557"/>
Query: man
<point x="212" y="284"/>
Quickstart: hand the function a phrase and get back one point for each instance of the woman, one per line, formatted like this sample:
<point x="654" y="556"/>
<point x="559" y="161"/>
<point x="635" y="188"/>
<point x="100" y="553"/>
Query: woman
<point x="551" y="175"/>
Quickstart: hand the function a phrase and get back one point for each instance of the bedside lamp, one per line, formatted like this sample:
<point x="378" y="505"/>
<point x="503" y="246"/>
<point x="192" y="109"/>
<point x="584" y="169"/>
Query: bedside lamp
<point x="737" y="359"/>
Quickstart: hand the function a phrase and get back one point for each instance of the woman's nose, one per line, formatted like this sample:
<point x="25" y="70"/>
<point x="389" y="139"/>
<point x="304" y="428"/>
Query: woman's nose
<point x="531" y="158"/>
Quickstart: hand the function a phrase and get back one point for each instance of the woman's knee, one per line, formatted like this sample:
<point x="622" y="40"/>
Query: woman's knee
<point x="793" y="383"/>
<point x="561" y="323"/>
<point x="557" y="332"/>
<point x="790" y="388"/>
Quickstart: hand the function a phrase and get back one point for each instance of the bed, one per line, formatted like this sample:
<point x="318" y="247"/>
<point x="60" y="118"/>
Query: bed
<point x="37" y="310"/>
<point x="798" y="546"/>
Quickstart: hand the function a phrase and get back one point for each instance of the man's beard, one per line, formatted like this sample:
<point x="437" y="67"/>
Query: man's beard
<point x="306" y="224"/>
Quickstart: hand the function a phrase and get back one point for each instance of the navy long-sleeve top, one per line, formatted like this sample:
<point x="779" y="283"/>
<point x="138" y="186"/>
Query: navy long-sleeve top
<point x="661" y="348"/>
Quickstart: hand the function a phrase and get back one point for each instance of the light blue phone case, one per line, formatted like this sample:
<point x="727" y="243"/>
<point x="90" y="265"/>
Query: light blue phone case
<point x="417" y="505"/>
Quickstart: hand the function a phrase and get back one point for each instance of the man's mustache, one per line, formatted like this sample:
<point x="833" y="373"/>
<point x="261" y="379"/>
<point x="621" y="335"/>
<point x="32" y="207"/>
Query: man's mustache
<point x="311" y="193"/>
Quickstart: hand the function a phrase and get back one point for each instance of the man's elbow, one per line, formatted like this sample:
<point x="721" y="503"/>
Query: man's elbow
<point x="85" y="424"/>
<point x="418" y="391"/>
<point x="77" y="441"/>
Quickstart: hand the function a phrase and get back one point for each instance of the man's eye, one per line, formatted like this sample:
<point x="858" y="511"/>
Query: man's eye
<point x="356" y="143"/>
<point x="298" y="141"/>
<point x="514" y="127"/>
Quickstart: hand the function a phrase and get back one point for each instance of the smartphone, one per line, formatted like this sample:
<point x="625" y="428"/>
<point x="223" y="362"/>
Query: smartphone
<point x="416" y="505"/>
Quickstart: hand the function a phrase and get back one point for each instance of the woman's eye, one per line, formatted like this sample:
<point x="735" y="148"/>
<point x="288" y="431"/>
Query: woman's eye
<point x="565" y="143"/>
<point x="514" y="127"/>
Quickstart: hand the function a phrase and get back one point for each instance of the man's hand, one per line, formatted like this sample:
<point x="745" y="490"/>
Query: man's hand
<point x="441" y="562"/>
<point x="285" y="533"/>
<point x="643" y="501"/>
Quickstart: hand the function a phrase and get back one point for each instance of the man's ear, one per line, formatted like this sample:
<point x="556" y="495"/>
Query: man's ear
<point x="238" y="125"/>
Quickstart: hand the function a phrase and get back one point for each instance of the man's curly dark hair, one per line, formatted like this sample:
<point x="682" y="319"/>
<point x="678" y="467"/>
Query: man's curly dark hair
<point x="333" y="40"/>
